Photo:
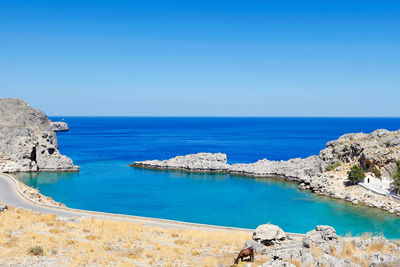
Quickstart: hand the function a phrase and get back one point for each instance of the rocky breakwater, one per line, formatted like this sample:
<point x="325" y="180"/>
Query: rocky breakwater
<point x="28" y="142"/>
<point x="324" y="174"/>
<point x="321" y="247"/>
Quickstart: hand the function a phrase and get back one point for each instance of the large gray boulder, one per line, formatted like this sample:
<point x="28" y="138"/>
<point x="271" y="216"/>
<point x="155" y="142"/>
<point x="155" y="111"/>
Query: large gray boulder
<point x="27" y="140"/>
<point x="59" y="126"/>
<point x="323" y="236"/>
<point x="269" y="234"/>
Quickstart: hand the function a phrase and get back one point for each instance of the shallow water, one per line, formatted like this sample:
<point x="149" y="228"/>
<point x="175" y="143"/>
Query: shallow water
<point x="104" y="146"/>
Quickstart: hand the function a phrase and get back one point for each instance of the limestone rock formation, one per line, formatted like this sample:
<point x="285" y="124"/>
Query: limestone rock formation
<point x="27" y="140"/>
<point x="59" y="126"/>
<point x="377" y="153"/>
<point x="194" y="162"/>
<point x="294" y="169"/>
<point x="269" y="234"/>
<point x="323" y="236"/>
<point x="322" y="247"/>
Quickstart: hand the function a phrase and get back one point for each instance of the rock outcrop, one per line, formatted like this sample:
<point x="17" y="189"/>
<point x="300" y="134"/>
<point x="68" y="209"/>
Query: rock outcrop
<point x="27" y="140"/>
<point x="376" y="152"/>
<point x="325" y="174"/>
<point x="59" y="126"/>
<point x="269" y="234"/>
<point x="322" y="247"/>
<point x="201" y="162"/>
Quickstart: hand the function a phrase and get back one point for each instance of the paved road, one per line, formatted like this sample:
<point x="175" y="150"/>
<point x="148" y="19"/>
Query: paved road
<point x="9" y="195"/>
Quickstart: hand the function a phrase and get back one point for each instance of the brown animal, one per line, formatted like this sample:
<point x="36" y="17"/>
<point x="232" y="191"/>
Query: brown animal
<point x="247" y="252"/>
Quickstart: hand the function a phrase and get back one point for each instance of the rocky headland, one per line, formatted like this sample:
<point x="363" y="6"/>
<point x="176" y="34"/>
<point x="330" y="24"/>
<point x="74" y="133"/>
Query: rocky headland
<point x="324" y="174"/>
<point x="28" y="142"/>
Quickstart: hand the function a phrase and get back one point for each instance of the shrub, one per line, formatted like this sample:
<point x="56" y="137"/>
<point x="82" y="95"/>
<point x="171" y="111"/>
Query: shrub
<point x="396" y="179"/>
<point x="36" y="250"/>
<point x="332" y="166"/>
<point x="377" y="171"/>
<point x="356" y="174"/>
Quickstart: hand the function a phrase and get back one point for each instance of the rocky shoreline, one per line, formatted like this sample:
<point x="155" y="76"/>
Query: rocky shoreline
<point x="377" y="153"/>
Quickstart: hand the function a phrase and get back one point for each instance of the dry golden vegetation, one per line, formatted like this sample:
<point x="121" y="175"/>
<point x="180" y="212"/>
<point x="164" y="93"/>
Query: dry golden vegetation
<point x="28" y="237"/>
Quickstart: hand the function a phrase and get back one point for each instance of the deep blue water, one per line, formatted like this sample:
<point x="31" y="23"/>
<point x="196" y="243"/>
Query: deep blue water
<point x="104" y="146"/>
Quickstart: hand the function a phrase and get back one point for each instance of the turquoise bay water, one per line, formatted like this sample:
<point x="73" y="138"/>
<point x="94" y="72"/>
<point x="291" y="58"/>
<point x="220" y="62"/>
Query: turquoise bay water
<point x="104" y="146"/>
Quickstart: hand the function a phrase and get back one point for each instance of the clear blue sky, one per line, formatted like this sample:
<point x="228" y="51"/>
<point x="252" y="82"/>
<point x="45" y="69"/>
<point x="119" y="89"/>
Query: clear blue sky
<point x="202" y="58"/>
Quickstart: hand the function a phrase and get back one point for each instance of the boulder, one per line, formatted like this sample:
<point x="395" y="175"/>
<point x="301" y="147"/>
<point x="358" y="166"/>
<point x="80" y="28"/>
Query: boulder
<point x="59" y="126"/>
<point x="323" y="236"/>
<point x="269" y="234"/>
<point x="3" y="207"/>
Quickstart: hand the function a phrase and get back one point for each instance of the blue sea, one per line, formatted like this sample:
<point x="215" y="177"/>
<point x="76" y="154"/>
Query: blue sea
<point x="104" y="146"/>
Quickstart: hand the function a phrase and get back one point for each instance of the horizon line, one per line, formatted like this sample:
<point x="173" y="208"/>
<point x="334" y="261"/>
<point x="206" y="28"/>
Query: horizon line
<point x="197" y="116"/>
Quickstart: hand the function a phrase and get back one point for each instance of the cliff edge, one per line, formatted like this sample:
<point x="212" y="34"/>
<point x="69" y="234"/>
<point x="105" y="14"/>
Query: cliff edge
<point x="28" y="142"/>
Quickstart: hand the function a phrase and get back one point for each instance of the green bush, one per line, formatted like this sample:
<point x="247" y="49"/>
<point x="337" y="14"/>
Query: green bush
<point x="356" y="174"/>
<point x="377" y="171"/>
<point x="396" y="179"/>
<point x="36" y="250"/>
<point x="332" y="166"/>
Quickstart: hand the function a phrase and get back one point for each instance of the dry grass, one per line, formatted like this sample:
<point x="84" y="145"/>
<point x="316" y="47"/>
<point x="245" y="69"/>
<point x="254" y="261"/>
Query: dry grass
<point x="316" y="252"/>
<point x="112" y="243"/>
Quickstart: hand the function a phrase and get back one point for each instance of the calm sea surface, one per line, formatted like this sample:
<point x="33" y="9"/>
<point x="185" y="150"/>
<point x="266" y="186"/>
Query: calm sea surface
<point x="104" y="146"/>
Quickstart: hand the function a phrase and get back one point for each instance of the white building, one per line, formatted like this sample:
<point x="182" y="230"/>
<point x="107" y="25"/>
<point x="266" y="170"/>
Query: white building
<point x="380" y="185"/>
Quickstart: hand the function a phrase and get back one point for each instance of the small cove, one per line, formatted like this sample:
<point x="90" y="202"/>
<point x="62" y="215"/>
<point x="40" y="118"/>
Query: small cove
<point x="104" y="146"/>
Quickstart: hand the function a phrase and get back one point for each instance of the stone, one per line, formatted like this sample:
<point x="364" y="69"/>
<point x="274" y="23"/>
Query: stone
<point x="27" y="140"/>
<point x="269" y="234"/>
<point x="258" y="247"/>
<point x="3" y="207"/>
<point x="331" y="261"/>
<point x="323" y="236"/>
<point x="59" y="126"/>
<point x="278" y="263"/>
<point x="302" y="186"/>
<point x="382" y="260"/>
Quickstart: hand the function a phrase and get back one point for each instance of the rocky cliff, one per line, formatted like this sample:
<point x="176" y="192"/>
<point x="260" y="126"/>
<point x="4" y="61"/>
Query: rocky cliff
<point x="377" y="153"/>
<point x="27" y="140"/>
